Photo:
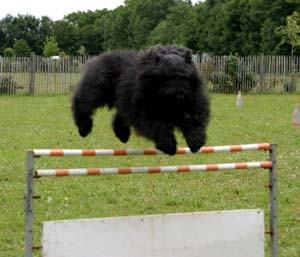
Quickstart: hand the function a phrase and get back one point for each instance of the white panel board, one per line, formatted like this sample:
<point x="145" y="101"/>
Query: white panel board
<point x="237" y="233"/>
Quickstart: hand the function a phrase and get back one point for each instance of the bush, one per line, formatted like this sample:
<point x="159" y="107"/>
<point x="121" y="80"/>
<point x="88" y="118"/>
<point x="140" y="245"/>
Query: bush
<point x="233" y="78"/>
<point x="9" y="52"/>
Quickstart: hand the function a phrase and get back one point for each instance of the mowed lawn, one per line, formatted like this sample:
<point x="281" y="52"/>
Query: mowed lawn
<point x="45" y="122"/>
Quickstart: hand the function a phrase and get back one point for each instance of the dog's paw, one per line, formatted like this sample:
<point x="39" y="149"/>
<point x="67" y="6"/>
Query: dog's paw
<point x="167" y="147"/>
<point x="195" y="138"/>
<point x="85" y="126"/>
<point x="120" y="129"/>
<point x="123" y="134"/>
<point x="196" y="144"/>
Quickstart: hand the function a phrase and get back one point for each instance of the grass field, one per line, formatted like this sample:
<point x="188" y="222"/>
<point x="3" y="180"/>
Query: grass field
<point x="45" y="122"/>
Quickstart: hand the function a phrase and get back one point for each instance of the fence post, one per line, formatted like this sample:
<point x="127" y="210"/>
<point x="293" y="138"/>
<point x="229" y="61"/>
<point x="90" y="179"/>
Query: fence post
<point x="32" y="73"/>
<point x="29" y="204"/>
<point x="273" y="202"/>
<point x="262" y="73"/>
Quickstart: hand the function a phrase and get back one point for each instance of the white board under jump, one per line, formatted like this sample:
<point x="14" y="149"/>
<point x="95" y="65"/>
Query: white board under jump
<point x="209" y="234"/>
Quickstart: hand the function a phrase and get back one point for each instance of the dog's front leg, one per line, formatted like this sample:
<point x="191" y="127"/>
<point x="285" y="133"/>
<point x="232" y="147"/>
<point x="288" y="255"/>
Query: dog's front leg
<point x="195" y="137"/>
<point x="165" y="141"/>
<point x="161" y="134"/>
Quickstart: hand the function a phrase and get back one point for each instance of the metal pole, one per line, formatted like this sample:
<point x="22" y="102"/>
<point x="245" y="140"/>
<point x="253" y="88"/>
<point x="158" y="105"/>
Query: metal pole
<point x="273" y="202"/>
<point x="28" y="204"/>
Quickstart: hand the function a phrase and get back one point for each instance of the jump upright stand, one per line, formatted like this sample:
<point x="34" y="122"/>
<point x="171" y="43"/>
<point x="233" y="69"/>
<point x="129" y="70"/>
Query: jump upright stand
<point x="32" y="173"/>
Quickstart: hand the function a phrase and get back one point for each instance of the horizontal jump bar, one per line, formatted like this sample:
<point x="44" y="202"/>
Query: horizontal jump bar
<point x="149" y="151"/>
<point x="159" y="169"/>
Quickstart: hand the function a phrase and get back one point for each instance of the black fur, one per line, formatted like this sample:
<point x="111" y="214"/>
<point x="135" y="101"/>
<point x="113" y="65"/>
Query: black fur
<point x="153" y="92"/>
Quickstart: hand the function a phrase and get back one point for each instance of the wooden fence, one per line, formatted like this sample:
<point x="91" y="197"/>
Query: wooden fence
<point x="257" y="74"/>
<point x="37" y="75"/>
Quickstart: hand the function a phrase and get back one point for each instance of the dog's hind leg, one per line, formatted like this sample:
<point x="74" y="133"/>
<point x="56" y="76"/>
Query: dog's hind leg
<point x="89" y="95"/>
<point x="82" y="116"/>
<point x="122" y="131"/>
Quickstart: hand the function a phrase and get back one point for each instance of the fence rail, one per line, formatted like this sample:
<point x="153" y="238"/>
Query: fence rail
<point x="36" y="75"/>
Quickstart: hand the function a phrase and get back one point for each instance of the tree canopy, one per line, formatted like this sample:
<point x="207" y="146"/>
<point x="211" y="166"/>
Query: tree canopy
<point x="221" y="27"/>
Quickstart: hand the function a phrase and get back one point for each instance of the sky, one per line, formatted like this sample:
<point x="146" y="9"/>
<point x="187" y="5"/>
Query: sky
<point x="55" y="9"/>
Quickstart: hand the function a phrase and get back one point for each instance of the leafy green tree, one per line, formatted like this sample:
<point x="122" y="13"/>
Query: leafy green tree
<point x="213" y="31"/>
<point x="290" y="33"/>
<point x="275" y="13"/>
<point x="174" y="28"/>
<point x="144" y="16"/>
<point x="91" y="39"/>
<point x="45" y="31"/>
<point x="21" y="48"/>
<point x="218" y="26"/>
<point x="22" y="27"/>
<point x="7" y="39"/>
<point x="68" y="36"/>
<point x="25" y="27"/>
<point x="51" y="47"/>
<point x="114" y="28"/>
<point x="243" y="26"/>
<point x="91" y="28"/>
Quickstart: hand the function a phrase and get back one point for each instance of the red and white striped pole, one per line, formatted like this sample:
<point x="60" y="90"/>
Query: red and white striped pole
<point x="150" y="151"/>
<point x="151" y="170"/>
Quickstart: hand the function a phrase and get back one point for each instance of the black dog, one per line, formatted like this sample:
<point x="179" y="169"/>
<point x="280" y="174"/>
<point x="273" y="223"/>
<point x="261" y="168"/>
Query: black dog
<point x="153" y="92"/>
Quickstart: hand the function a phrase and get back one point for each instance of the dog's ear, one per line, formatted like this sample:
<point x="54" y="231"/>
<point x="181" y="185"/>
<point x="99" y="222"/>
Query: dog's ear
<point x="154" y="54"/>
<point x="188" y="56"/>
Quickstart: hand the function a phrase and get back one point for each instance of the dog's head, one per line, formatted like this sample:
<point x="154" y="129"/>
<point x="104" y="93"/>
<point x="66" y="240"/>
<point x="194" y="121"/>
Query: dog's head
<point x="169" y="82"/>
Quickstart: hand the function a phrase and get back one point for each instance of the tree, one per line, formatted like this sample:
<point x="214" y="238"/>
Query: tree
<point x="144" y="16"/>
<point x="244" y="27"/>
<point x="23" y="27"/>
<point x="45" y="31"/>
<point x="275" y="13"/>
<point x="114" y="29"/>
<point x="51" y="47"/>
<point x="214" y="33"/>
<point x="91" y="27"/>
<point x="6" y="33"/>
<point x="68" y="36"/>
<point x="290" y="33"/>
<point x="174" y="28"/>
<point x="21" y="48"/>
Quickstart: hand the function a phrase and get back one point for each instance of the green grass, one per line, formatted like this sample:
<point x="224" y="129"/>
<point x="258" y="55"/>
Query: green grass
<point x="45" y="122"/>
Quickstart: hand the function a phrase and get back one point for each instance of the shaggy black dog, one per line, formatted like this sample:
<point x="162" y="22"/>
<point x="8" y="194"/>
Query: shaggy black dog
<point x="154" y="92"/>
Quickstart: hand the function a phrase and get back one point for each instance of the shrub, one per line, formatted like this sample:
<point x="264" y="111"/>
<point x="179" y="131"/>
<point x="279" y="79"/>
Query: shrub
<point x="9" y="52"/>
<point x="233" y="78"/>
<point x="51" y="47"/>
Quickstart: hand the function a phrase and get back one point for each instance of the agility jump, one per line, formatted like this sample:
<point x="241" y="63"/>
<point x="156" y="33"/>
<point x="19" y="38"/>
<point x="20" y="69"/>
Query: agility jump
<point x="266" y="164"/>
